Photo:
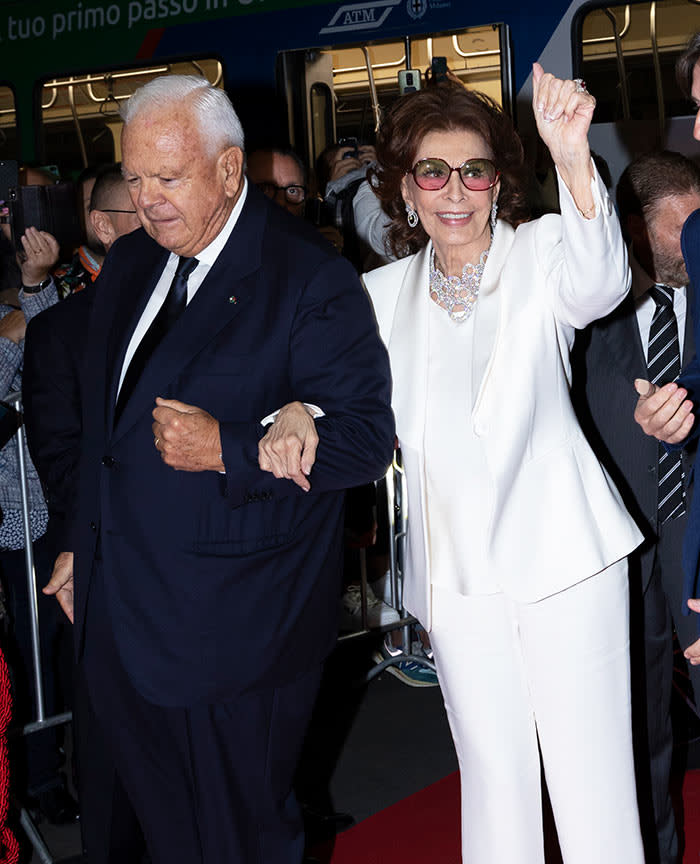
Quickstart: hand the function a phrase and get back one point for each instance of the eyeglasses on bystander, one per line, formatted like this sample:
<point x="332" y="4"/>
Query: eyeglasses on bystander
<point x="293" y="194"/>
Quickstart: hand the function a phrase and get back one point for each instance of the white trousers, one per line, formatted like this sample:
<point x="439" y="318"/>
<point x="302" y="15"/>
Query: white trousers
<point x="557" y="672"/>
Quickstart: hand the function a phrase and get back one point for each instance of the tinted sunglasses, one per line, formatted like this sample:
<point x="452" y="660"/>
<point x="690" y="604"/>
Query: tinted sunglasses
<point x="478" y="175"/>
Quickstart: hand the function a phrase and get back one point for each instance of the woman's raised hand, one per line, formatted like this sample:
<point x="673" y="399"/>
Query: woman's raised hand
<point x="563" y="111"/>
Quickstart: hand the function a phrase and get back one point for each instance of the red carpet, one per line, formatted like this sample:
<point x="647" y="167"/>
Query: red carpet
<point x="424" y="829"/>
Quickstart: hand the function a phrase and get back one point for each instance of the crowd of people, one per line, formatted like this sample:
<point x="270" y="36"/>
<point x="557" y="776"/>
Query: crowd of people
<point x="206" y="377"/>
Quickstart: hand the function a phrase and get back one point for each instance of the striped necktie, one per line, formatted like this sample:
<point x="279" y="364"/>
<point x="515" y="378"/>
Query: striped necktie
<point x="664" y="365"/>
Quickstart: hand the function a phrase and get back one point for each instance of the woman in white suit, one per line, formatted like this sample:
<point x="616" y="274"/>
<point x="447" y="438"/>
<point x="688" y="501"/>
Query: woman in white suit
<point x="517" y="541"/>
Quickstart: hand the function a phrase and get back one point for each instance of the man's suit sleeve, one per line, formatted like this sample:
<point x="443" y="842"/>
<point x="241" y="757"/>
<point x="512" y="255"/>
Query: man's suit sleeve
<point x="50" y="396"/>
<point x="336" y="361"/>
<point x="690" y="377"/>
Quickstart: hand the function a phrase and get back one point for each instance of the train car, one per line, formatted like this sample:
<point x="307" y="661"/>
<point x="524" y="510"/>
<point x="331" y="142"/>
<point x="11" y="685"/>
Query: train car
<point x="307" y="72"/>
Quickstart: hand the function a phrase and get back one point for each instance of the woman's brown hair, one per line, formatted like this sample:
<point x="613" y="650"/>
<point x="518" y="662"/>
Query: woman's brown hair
<point x="447" y="107"/>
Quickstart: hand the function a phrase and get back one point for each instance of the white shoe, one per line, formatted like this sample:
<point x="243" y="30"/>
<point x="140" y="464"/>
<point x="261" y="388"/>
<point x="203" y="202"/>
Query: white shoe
<point x="379" y="613"/>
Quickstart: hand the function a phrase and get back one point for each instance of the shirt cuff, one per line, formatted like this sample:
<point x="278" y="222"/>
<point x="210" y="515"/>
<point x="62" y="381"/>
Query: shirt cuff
<point x="314" y="410"/>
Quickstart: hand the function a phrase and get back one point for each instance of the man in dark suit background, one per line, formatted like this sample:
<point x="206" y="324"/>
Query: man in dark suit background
<point x="669" y="413"/>
<point x="206" y="550"/>
<point x="655" y="195"/>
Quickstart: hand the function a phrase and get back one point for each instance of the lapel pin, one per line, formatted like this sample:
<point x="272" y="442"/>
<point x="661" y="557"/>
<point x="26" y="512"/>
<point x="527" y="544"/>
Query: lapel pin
<point x="233" y="299"/>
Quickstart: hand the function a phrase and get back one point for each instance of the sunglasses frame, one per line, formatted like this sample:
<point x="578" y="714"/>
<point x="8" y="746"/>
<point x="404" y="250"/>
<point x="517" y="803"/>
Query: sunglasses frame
<point x="458" y="169"/>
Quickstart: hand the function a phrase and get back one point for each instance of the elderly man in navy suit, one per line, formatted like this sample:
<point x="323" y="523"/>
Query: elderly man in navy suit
<point x="203" y="567"/>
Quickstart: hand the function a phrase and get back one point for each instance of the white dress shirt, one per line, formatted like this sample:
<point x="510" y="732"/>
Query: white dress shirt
<point x="206" y="258"/>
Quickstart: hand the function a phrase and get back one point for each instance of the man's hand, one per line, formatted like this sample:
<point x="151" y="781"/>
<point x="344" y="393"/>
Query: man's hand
<point x="187" y="438"/>
<point x="339" y="167"/>
<point x="38" y="256"/>
<point x="664" y="412"/>
<point x="288" y="450"/>
<point x="61" y="583"/>
<point x="692" y="652"/>
<point x="13" y="326"/>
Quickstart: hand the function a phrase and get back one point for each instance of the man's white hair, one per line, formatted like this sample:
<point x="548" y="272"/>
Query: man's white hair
<point x="218" y="122"/>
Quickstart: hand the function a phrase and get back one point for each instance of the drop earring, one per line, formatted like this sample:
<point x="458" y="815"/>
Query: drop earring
<point x="494" y="215"/>
<point x="411" y="216"/>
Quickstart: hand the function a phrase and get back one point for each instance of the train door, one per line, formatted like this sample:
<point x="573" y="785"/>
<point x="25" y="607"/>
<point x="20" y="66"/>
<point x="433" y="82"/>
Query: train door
<point x="341" y="91"/>
<point x="627" y="56"/>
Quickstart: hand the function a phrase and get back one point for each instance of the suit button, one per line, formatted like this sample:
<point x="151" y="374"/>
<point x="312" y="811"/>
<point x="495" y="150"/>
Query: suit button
<point x="651" y="469"/>
<point x="108" y="462"/>
<point x="93" y="526"/>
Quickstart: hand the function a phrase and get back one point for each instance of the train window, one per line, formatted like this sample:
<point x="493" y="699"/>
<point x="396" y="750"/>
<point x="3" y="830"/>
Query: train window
<point x="628" y="55"/>
<point x="80" y="121"/>
<point x="364" y="79"/>
<point x="8" y="124"/>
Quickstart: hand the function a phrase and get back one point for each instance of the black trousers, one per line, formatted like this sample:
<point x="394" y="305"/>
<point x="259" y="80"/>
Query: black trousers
<point x="209" y="784"/>
<point x="654" y="612"/>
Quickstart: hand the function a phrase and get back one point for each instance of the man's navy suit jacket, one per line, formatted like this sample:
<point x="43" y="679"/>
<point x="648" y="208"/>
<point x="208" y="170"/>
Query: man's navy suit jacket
<point x="607" y="357"/>
<point x="219" y="583"/>
<point x="690" y="378"/>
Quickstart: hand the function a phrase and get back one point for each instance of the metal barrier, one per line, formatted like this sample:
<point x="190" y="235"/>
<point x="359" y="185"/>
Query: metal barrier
<point x="397" y="512"/>
<point x="41" y="721"/>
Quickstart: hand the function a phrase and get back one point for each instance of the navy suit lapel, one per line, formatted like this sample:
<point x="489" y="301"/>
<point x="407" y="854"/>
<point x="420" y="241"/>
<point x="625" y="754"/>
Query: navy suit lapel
<point x="621" y="333"/>
<point x="128" y="303"/>
<point x="220" y="297"/>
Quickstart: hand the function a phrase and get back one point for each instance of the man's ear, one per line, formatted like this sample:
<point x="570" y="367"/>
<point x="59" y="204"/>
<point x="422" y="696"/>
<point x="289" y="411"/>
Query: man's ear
<point x="102" y="225"/>
<point x="231" y="167"/>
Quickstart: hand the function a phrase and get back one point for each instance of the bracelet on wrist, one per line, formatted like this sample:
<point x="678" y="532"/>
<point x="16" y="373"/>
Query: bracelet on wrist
<point x="34" y="289"/>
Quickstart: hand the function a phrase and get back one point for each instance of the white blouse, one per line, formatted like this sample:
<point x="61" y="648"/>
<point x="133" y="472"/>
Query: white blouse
<point x="458" y="485"/>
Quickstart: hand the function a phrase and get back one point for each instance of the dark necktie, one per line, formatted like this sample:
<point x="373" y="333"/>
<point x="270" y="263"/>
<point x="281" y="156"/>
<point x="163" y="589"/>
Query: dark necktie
<point x="175" y="301"/>
<point x="664" y="365"/>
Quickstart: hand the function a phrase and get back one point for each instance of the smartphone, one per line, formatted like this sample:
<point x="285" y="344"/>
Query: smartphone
<point x="47" y="208"/>
<point x="349" y="142"/>
<point x="409" y="80"/>
<point x="439" y="69"/>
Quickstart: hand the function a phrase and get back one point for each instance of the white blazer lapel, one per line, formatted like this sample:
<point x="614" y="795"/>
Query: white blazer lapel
<point x="488" y="312"/>
<point x="408" y="349"/>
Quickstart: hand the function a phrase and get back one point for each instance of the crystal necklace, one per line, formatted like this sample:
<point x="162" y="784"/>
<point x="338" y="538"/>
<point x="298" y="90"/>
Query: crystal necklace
<point x="457" y="294"/>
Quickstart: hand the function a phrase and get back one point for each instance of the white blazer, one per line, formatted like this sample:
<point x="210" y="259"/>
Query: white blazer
<point x="557" y="517"/>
